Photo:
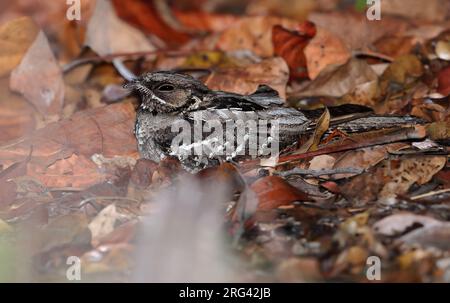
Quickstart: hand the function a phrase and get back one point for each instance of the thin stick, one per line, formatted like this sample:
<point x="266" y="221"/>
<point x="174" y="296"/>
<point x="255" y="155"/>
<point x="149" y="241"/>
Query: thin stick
<point x="433" y="193"/>
<point x="318" y="173"/>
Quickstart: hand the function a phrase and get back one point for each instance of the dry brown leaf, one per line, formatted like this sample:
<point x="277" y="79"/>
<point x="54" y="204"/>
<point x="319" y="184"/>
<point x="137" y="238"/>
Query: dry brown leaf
<point x="203" y="21"/>
<point x="356" y="30"/>
<point x="323" y="50"/>
<point x="401" y="176"/>
<point x="75" y="171"/>
<point x="16" y="37"/>
<point x="16" y="114"/>
<point x="294" y="9"/>
<point x="403" y="70"/>
<point x="107" y="34"/>
<point x="246" y="79"/>
<point x="336" y="81"/>
<point x="254" y="34"/>
<point x="7" y="186"/>
<point x="322" y="126"/>
<point x="439" y="130"/>
<point x="39" y="78"/>
<point x="432" y="10"/>
<point x="444" y="81"/>
<point x="106" y="130"/>
<point x="365" y="158"/>
<point x="273" y="191"/>
<point x="391" y="178"/>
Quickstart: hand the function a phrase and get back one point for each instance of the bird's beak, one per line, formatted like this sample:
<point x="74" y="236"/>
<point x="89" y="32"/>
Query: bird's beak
<point x="131" y="85"/>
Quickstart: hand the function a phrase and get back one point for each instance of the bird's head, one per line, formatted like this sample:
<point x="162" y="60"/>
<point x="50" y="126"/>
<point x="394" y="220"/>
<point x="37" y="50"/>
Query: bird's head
<point x="166" y="92"/>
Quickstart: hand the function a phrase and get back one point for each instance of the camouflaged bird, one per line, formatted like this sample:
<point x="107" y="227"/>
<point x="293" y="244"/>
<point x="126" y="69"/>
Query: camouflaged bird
<point x="169" y="99"/>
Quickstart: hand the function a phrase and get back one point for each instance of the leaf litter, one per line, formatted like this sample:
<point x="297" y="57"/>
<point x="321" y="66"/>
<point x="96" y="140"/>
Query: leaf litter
<point x="72" y="182"/>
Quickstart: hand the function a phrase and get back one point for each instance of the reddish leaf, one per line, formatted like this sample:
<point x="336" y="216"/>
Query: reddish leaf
<point x="225" y="174"/>
<point x="273" y="191"/>
<point x="143" y="172"/>
<point x="290" y="45"/>
<point x="203" y="21"/>
<point x="444" y="81"/>
<point x="143" y="15"/>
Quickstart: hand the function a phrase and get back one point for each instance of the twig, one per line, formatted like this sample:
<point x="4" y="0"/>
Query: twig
<point x="318" y="173"/>
<point x="108" y="58"/>
<point x="123" y="70"/>
<point x="90" y="199"/>
<point x="433" y="193"/>
<point x="373" y="55"/>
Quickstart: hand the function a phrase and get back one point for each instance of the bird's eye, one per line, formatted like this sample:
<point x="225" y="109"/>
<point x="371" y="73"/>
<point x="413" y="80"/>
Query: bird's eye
<point x="166" y="88"/>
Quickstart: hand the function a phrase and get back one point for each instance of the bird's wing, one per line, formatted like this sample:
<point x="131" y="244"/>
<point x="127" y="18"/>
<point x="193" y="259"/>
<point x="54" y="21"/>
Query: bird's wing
<point x="263" y="98"/>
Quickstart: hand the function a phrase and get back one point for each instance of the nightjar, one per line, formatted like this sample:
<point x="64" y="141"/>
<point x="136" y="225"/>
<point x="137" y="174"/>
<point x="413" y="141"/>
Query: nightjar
<point x="180" y="116"/>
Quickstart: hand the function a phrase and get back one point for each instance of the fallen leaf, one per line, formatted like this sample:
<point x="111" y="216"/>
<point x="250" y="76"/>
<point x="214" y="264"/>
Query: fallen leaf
<point x="391" y="178"/>
<point x="439" y="130"/>
<point x="107" y="34"/>
<point x="399" y="223"/>
<point x="294" y="9"/>
<point x="254" y="34"/>
<point x="365" y="158"/>
<point x="337" y="81"/>
<point x="322" y="126"/>
<point x="355" y="30"/>
<point x="431" y="236"/>
<point x="443" y="50"/>
<point x="39" y="78"/>
<point x="16" y="114"/>
<point x="290" y="46"/>
<point x="74" y="171"/>
<point x="394" y="46"/>
<point x="204" y="21"/>
<point x="106" y="130"/>
<point x="16" y="37"/>
<point x="418" y="170"/>
<point x="273" y="192"/>
<point x="400" y="72"/>
<point x="433" y="10"/>
<point x="322" y="162"/>
<point x="104" y="223"/>
<point x="246" y="79"/>
<point x="225" y="175"/>
<point x="142" y="173"/>
<point x="363" y="94"/>
<point x="323" y="50"/>
<point x="7" y="186"/>
<point x="444" y="81"/>
<point x="145" y="16"/>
